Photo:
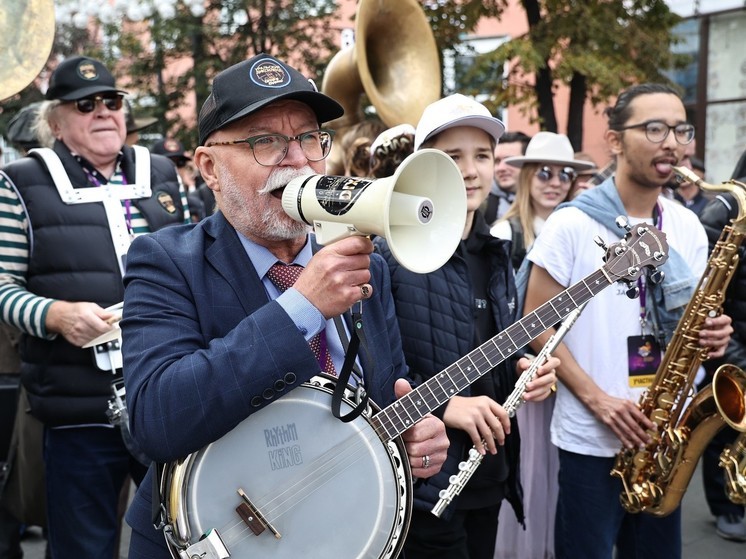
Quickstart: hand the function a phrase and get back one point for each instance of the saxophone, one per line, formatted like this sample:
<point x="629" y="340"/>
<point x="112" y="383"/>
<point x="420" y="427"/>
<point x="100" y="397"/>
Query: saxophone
<point x="733" y="461"/>
<point x="655" y="477"/>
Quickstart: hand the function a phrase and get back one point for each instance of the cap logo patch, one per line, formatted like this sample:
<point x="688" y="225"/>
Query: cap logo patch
<point x="165" y="200"/>
<point x="268" y="73"/>
<point x="87" y="71"/>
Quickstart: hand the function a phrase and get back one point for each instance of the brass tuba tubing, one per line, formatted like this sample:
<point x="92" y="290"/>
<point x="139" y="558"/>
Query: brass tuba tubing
<point x="395" y="62"/>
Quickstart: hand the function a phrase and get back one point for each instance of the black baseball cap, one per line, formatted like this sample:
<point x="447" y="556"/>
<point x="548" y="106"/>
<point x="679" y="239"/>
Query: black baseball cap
<point x="253" y="84"/>
<point x="78" y="77"/>
<point x="170" y="147"/>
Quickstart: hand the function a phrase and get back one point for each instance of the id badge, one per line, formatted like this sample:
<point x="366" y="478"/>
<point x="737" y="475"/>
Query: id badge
<point x="644" y="357"/>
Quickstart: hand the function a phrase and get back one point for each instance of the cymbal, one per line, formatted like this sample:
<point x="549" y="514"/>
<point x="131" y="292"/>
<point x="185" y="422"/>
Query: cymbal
<point x="26" y="38"/>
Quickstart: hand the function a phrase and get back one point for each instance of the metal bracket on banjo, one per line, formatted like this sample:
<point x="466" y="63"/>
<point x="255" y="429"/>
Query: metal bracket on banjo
<point x="211" y="546"/>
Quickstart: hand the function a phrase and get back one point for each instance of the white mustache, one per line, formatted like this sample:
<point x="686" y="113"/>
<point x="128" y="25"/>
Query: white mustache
<point x="279" y="178"/>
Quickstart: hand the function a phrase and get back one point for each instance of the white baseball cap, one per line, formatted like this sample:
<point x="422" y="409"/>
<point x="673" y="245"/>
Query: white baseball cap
<point x="455" y="110"/>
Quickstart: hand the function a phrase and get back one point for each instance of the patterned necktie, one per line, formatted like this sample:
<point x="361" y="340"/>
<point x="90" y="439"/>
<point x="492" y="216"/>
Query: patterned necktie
<point x="284" y="276"/>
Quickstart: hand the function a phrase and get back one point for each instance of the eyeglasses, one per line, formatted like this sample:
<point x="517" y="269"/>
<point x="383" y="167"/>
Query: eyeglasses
<point x="271" y="149"/>
<point x="657" y="131"/>
<point x="566" y="174"/>
<point x="88" y="104"/>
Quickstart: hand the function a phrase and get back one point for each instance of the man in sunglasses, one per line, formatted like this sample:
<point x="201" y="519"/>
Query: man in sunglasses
<point x="69" y="214"/>
<point x="610" y="356"/>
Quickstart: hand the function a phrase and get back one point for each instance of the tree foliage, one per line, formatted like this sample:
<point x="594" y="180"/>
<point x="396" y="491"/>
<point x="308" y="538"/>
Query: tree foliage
<point x="594" y="47"/>
<point x="168" y="61"/>
<point x="228" y="32"/>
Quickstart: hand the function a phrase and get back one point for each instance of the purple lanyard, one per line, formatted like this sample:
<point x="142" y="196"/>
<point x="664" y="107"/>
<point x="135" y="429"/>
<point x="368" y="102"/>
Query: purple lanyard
<point x="640" y="282"/>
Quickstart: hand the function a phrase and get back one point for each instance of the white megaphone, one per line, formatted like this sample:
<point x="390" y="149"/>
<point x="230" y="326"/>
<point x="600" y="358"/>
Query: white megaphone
<point x="420" y="211"/>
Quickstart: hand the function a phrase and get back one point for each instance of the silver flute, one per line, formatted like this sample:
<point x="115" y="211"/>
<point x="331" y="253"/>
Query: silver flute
<point x="458" y="481"/>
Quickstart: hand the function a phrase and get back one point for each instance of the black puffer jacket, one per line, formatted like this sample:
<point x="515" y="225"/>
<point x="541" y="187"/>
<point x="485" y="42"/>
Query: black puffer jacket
<point x="72" y="258"/>
<point x="436" y="319"/>
<point x="716" y="215"/>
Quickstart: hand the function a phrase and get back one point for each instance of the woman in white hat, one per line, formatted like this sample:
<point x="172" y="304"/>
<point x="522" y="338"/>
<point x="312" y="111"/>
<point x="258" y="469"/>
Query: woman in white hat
<point x="548" y="170"/>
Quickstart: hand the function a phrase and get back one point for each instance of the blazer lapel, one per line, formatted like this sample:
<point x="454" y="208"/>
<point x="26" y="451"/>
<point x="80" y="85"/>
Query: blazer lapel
<point x="229" y="259"/>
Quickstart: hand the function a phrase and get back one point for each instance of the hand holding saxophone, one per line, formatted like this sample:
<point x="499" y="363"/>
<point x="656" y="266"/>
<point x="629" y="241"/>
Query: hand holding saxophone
<point x="624" y="418"/>
<point x="715" y="334"/>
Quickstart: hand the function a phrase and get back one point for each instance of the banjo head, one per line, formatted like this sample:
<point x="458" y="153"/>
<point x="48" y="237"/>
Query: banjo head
<point x="324" y="487"/>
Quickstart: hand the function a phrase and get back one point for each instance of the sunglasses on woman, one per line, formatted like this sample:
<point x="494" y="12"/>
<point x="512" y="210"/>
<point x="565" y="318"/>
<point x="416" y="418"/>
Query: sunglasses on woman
<point x="566" y="174"/>
<point x="88" y="104"/>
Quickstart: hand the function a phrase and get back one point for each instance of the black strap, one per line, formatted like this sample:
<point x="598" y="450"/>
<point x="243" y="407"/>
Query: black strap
<point x="157" y="507"/>
<point x="357" y="336"/>
<point x="518" y="244"/>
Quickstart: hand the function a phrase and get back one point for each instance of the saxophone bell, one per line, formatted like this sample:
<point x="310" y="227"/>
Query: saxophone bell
<point x="729" y="390"/>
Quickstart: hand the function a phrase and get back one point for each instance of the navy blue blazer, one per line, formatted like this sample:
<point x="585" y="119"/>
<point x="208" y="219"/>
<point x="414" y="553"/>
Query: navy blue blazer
<point x="204" y="347"/>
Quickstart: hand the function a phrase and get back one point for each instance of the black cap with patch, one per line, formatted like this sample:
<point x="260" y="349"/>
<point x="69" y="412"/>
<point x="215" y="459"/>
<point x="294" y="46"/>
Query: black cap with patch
<point x="79" y="77"/>
<point x="170" y="147"/>
<point x="255" y="83"/>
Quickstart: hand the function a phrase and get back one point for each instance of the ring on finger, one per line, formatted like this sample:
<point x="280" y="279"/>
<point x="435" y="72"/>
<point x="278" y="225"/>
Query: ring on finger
<point x="365" y="290"/>
<point x="426" y="461"/>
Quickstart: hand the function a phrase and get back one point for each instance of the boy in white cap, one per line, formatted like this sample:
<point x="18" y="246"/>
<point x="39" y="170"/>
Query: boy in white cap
<point x="443" y="316"/>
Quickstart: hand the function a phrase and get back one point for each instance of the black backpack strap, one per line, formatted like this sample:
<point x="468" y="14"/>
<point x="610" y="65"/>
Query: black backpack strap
<point x="518" y="244"/>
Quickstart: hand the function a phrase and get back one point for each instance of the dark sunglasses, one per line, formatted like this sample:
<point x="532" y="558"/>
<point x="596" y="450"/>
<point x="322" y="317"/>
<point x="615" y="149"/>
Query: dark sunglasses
<point x="88" y="104"/>
<point x="567" y="174"/>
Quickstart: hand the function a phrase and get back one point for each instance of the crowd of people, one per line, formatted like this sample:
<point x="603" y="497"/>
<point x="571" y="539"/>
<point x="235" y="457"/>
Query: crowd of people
<point x="178" y="275"/>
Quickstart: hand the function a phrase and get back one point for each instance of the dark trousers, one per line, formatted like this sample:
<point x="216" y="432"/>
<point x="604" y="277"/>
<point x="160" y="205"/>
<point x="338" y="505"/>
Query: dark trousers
<point x="590" y="519"/>
<point x="713" y="476"/>
<point x="86" y="468"/>
<point x="469" y="534"/>
<point x="10" y="536"/>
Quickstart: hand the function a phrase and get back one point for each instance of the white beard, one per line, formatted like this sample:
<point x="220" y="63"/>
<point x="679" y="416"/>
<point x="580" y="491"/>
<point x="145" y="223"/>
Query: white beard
<point x="255" y="217"/>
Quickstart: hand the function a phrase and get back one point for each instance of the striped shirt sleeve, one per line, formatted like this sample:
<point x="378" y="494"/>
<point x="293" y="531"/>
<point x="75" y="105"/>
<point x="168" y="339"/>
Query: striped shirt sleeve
<point x="18" y="306"/>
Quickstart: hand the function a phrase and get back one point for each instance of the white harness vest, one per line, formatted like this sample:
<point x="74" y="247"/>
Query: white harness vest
<point x="110" y="195"/>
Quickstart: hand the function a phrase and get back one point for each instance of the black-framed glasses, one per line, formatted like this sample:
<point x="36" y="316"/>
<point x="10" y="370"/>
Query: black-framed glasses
<point x="271" y="149"/>
<point x="657" y="131"/>
<point x="88" y="104"/>
<point x="566" y="174"/>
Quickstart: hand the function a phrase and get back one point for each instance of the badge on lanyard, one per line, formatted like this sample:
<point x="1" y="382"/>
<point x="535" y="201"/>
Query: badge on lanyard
<point x="644" y="357"/>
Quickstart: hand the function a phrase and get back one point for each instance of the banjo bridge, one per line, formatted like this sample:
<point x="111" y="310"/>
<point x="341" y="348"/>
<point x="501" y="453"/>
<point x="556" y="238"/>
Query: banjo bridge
<point x="253" y="518"/>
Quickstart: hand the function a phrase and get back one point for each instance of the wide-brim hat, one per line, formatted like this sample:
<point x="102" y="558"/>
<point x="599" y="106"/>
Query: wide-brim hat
<point x="135" y="124"/>
<point x="20" y="129"/>
<point x="385" y="138"/>
<point x="455" y="110"/>
<point x="551" y="149"/>
<point x="253" y="84"/>
<point x="78" y="77"/>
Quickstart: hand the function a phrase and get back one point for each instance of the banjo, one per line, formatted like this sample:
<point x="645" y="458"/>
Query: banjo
<point x="292" y="480"/>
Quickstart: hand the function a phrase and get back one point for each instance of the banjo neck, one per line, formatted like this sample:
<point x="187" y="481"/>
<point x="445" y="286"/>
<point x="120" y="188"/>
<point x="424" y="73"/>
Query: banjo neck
<point x="396" y="418"/>
<point x="642" y="247"/>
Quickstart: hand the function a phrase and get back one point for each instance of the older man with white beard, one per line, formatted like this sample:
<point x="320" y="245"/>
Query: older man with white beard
<point x="212" y="333"/>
